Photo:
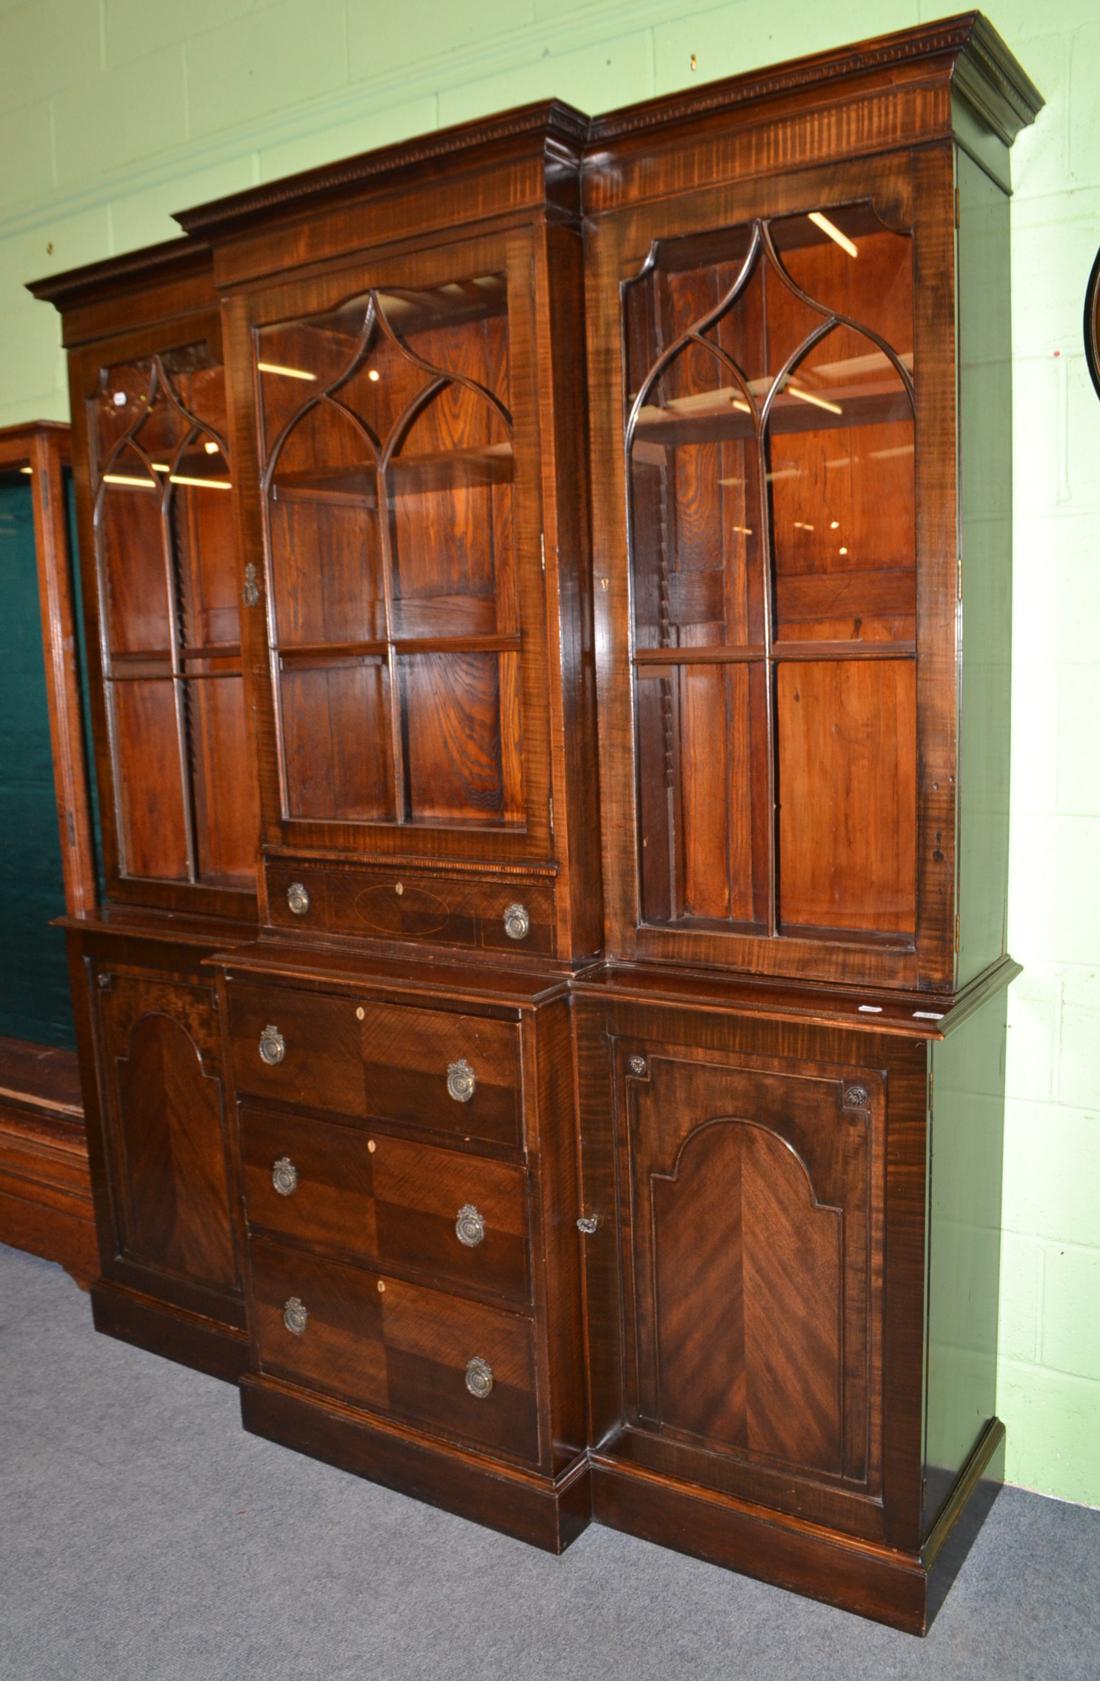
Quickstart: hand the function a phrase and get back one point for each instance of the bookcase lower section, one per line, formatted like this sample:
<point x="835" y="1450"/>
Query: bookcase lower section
<point x="547" y="1512"/>
<point x="544" y="1251"/>
<point x="191" y="1339"/>
<point x="903" y="1590"/>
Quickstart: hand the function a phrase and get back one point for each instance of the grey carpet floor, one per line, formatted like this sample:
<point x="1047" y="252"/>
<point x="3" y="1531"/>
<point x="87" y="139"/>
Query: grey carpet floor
<point x="145" y="1537"/>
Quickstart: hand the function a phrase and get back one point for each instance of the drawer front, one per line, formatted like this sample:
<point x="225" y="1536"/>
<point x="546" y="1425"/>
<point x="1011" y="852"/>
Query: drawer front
<point x="396" y="1348"/>
<point x="299" y="1047"/>
<point x="453" y="1074"/>
<point x="389" y="1201"/>
<point x="395" y="904"/>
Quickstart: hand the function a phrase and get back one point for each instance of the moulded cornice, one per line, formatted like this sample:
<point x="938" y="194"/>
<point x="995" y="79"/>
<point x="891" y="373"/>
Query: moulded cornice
<point x="556" y="128"/>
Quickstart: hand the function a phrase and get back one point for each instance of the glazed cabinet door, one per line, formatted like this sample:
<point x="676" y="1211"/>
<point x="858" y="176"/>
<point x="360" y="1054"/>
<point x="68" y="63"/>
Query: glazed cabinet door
<point x="180" y="807"/>
<point x="158" y="1053"/>
<point x="775" y="404"/>
<point x="747" y="1221"/>
<point x="398" y="618"/>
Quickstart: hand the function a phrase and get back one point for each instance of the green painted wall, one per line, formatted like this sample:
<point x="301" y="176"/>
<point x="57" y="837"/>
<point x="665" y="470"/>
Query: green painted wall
<point x="115" y="112"/>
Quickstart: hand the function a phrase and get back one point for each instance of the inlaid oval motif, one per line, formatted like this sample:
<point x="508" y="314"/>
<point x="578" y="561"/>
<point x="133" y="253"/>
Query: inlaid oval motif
<point x="414" y="911"/>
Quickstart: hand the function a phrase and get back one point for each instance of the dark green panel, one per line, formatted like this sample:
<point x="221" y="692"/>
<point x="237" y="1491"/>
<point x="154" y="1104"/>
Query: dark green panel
<point x="34" y="991"/>
<point x="82" y="664"/>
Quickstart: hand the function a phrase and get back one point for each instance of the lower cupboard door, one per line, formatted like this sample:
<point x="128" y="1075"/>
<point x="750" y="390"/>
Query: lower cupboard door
<point x="752" y="1294"/>
<point x="427" y="1358"/>
<point x="158" y="1048"/>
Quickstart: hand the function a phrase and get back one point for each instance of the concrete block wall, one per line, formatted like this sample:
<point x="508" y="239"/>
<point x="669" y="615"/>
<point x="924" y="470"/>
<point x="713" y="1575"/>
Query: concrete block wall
<point x="113" y="113"/>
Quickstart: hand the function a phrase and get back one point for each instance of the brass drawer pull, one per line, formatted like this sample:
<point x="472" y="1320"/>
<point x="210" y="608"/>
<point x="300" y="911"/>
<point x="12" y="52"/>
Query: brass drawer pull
<point x="461" y="1080"/>
<point x="297" y="897"/>
<point x="469" y="1227"/>
<point x="284" y="1176"/>
<point x="295" y="1316"/>
<point x="272" y="1046"/>
<point x="479" y="1378"/>
<point x="517" y="923"/>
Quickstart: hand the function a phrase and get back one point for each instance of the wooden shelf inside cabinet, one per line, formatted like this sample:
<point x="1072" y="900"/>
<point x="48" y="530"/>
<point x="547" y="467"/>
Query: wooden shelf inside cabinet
<point x="721" y="417"/>
<point x="409" y="475"/>
<point x="651" y="660"/>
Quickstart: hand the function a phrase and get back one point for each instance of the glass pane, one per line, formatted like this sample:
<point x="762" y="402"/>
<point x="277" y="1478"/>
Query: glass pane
<point x="842" y="496"/>
<point x="326" y="560"/>
<point x="200" y="510"/>
<point x="851" y="265"/>
<point x="450" y="511"/>
<point x="390" y="538"/>
<point x="166" y="544"/>
<point x="463" y="767"/>
<point x="148" y="780"/>
<point x="771" y="485"/>
<point x="195" y="380"/>
<point x="121" y="401"/>
<point x="337" y="748"/>
<point x="847" y="753"/>
<point x="131" y="547"/>
<point x="694" y="462"/>
<point x="226" y="807"/>
<point x="702" y="793"/>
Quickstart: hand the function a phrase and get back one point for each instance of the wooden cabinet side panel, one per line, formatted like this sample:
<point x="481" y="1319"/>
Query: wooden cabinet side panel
<point x="985" y="565"/>
<point x="964" y="1238"/>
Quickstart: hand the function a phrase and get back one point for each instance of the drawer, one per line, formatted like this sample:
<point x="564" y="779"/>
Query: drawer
<point x="396" y="1348"/>
<point x="389" y="1201"/>
<point x="401" y="904"/>
<point x="453" y="1074"/>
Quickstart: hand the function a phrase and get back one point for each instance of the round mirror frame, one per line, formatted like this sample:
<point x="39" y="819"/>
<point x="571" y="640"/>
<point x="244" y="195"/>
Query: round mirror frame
<point x="1092" y="323"/>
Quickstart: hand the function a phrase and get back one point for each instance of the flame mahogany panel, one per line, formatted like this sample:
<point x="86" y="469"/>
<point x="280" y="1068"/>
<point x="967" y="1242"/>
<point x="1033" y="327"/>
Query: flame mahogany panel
<point x="754" y="1198"/>
<point x="161" y="1061"/>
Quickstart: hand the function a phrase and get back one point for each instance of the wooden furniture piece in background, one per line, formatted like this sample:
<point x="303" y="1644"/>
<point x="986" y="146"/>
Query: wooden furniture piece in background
<point x="530" y="1211"/>
<point x="45" y="1191"/>
<point x="45" y="1195"/>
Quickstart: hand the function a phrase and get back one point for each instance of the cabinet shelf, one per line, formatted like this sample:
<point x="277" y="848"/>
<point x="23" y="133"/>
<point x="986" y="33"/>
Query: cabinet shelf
<point x="717" y="421"/>
<point x="650" y="661"/>
<point x="316" y="653"/>
<point x="405" y="475"/>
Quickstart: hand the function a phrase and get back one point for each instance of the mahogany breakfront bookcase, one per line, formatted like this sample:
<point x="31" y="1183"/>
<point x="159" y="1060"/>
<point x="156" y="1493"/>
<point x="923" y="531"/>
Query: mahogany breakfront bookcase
<point x="546" y="1146"/>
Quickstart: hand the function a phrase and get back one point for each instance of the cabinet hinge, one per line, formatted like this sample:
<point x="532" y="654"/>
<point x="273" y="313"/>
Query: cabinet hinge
<point x="550" y="804"/>
<point x="542" y="550"/>
<point x="959" y="577"/>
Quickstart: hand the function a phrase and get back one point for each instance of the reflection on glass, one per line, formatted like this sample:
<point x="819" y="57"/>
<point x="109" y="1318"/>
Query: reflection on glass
<point x="771" y="518"/>
<point x="389" y="517"/>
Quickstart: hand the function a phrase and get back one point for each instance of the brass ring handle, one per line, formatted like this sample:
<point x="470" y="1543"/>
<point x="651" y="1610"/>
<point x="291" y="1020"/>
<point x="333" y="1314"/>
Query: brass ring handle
<point x="284" y="1176"/>
<point x="479" y="1378"/>
<point x="272" y="1046"/>
<point x="295" y="1316"/>
<point x="469" y="1226"/>
<point x="461" y="1080"/>
<point x="517" y="922"/>
<point x="297" y="897"/>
